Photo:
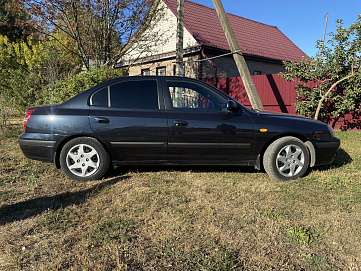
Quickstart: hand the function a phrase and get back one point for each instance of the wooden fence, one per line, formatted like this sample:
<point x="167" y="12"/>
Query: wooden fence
<point x="276" y="95"/>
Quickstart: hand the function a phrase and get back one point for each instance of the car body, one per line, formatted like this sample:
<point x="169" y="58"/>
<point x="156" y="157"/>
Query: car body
<point x="160" y="120"/>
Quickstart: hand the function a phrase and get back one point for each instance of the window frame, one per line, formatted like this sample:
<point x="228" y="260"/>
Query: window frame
<point x="145" y="70"/>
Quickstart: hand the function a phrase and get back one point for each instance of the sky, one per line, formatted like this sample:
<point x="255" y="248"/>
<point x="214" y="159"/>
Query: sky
<point x="303" y="22"/>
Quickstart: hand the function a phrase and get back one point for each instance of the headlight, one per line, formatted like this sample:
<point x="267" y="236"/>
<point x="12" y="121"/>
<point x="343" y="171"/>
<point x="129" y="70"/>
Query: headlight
<point x="332" y="132"/>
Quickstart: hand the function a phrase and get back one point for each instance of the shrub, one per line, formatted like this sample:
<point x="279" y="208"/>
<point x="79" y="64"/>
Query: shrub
<point x="67" y="88"/>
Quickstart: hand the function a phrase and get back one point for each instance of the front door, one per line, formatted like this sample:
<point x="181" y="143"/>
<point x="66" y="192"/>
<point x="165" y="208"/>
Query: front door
<point x="201" y="130"/>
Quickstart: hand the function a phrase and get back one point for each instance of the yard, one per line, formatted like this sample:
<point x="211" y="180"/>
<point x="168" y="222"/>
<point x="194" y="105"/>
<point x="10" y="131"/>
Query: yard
<point x="180" y="218"/>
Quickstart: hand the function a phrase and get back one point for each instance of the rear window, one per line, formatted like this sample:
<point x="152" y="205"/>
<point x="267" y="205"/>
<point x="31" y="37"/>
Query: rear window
<point x="100" y="98"/>
<point x="133" y="94"/>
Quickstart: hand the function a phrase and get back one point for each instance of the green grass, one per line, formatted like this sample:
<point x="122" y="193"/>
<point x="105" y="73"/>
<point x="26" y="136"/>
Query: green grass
<point x="180" y="218"/>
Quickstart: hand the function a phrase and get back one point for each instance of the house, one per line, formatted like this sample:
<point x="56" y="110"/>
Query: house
<point x="152" y="52"/>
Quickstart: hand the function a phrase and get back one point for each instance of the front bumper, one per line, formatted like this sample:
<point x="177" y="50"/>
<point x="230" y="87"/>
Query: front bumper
<point x="326" y="150"/>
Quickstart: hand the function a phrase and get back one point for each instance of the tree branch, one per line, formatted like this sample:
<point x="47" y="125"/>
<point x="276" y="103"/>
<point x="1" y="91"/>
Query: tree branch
<point x="323" y="97"/>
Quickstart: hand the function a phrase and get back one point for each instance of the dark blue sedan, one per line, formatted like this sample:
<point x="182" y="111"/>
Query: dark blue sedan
<point x="170" y="121"/>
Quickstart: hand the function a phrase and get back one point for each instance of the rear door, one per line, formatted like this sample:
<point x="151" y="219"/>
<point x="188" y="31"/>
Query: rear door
<point x="201" y="130"/>
<point x="130" y="116"/>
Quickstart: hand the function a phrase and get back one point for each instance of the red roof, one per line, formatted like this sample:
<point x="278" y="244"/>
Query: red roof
<point x="254" y="38"/>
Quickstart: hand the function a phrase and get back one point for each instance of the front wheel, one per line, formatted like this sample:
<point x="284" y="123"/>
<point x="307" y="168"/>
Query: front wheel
<point x="287" y="158"/>
<point x="84" y="159"/>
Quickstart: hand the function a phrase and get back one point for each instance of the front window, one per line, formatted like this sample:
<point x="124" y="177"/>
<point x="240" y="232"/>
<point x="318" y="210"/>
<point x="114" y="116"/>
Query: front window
<point x="192" y="96"/>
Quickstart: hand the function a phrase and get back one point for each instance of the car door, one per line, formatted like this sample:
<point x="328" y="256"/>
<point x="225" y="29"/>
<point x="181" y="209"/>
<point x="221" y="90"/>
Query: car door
<point x="130" y="116"/>
<point x="201" y="129"/>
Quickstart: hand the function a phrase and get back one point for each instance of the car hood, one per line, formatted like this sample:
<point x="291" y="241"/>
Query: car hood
<point x="285" y="116"/>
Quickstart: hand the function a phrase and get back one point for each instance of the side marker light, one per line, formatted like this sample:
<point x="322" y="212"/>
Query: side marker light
<point x="263" y="130"/>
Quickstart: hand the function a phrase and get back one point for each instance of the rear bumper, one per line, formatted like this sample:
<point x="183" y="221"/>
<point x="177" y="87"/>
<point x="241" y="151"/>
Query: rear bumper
<point x="42" y="150"/>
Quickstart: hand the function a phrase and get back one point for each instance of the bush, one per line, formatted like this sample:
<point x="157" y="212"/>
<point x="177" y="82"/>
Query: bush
<point x="67" y="88"/>
<point x="6" y="112"/>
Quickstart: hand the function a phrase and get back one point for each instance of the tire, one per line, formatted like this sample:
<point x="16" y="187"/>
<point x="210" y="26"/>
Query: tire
<point x="287" y="158"/>
<point x="84" y="159"/>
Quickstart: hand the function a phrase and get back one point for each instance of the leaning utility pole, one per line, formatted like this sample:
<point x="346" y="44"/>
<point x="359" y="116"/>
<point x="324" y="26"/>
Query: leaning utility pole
<point x="239" y="59"/>
<point x="179" y="38"/>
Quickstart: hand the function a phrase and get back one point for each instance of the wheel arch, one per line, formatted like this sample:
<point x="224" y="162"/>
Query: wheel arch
<point x="310" y="147"/>
<point x="67" y="139"/>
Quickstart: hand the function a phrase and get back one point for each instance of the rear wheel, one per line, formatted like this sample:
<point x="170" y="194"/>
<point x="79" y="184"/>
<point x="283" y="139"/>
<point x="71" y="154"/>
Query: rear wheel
<point x="286" y="158"/>
<point x="84" y="159"/>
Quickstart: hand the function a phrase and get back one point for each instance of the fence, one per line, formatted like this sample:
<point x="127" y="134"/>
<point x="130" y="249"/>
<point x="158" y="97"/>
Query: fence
<point x="276" y="95"/>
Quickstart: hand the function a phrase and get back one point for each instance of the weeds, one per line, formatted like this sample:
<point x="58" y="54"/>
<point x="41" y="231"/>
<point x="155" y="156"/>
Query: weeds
<point x="118" y="230"/>
<point x="302" y="235"/>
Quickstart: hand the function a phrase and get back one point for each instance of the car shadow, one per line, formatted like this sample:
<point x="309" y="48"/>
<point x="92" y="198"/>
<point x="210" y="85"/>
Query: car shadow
<point x="26" y="209"/>
<point x="342" y="159"/>
<point x="121" y="170"/>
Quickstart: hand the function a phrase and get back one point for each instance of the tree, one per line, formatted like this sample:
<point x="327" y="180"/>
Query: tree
<point x="97" y="28"/>
<point x="336" y="73"/>
<point x="27" y="67"/>
<point x="12" y="16"/>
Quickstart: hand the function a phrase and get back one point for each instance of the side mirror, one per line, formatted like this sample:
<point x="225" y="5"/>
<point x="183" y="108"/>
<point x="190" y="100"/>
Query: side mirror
<point x="232" y="106"/>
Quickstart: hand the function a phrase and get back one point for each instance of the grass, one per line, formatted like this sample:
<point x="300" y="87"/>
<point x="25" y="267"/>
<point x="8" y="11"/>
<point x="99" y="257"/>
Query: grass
<point x="180" y="218"/>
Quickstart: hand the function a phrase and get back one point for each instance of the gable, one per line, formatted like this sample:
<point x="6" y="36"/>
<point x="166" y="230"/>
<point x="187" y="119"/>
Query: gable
<point x="160" y="38"/>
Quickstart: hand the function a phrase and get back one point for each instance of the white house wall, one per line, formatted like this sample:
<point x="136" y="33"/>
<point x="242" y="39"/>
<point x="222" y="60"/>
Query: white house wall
<point x="160" y="39"/>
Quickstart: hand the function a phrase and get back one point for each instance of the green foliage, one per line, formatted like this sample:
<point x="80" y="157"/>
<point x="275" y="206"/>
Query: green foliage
<point x="335" y="68"/>
<point x="69" y="87"/>
<point x="26" y="68"/>
<point x="301" y="234"/>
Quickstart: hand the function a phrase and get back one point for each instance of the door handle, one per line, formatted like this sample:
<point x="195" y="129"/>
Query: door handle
<point x="180" y="123"/>
<point x="102" y="120"/>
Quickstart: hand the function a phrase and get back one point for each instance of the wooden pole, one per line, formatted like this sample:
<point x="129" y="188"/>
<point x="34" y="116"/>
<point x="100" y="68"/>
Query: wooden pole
<point x="179" y="38"/>
<point x="324" y="37"/>
<point x="238" y="57"/>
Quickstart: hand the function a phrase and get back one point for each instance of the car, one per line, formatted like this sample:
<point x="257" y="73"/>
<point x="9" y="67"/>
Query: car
<point x="164" y="120"/>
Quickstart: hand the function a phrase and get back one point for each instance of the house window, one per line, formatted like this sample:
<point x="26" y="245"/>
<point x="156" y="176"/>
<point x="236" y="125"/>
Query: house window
<point x="145" y="72"/>
<point x="257" y="72"/>
<point x="161" y="71"/>
<point x="175" y="70"/>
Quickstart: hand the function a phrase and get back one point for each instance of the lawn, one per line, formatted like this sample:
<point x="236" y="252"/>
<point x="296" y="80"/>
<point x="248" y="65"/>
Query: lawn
<point x="180" y="218"/>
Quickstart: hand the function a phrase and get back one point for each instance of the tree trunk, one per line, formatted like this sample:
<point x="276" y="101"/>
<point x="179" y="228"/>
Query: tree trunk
<point x="323" y="97"/>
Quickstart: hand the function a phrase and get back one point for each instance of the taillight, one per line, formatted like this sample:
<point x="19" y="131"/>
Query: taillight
<point x="27" y="117"/>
